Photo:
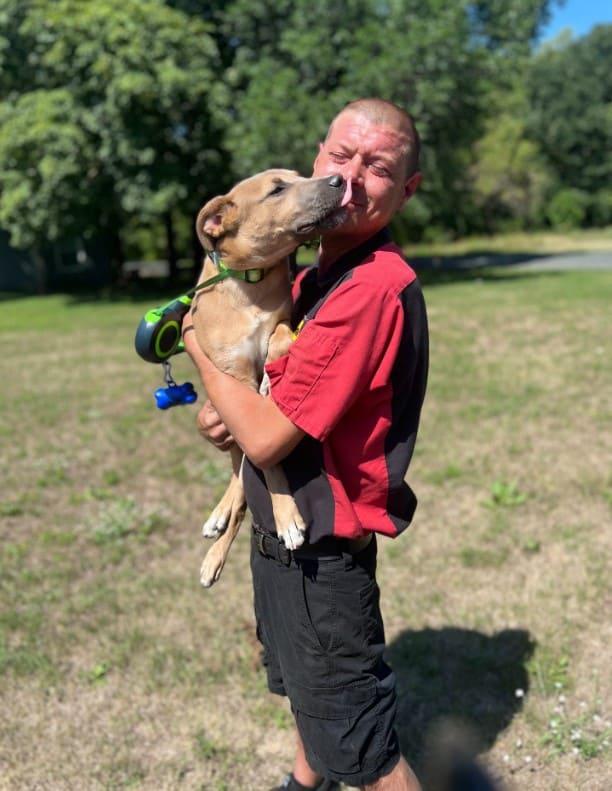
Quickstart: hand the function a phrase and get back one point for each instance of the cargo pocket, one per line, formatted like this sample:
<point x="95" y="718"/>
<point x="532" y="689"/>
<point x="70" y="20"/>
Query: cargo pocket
<point x="333" y="727"/>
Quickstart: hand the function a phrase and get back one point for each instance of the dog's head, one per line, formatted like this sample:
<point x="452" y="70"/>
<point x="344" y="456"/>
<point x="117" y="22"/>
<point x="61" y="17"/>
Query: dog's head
<point x="265" y="217"/>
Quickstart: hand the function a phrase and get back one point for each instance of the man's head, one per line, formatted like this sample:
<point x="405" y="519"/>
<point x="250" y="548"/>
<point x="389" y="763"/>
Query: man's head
<point x="375" y="146"/>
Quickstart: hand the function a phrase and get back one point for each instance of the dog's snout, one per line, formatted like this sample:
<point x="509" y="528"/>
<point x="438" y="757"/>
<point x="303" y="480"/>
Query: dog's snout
<point x="336" y="180"/>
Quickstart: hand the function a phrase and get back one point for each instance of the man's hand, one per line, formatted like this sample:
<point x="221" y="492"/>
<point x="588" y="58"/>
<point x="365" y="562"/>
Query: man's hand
<point x="212" y="428"/>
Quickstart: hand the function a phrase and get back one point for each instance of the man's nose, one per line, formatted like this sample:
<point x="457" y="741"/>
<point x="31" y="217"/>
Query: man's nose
<point x="353" y="169"/>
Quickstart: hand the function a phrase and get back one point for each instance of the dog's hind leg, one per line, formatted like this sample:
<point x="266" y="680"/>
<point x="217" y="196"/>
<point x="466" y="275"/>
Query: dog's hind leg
<point x="217" y="523"/>
<point x="224" y="523"/>
<point x="214" y="560"/>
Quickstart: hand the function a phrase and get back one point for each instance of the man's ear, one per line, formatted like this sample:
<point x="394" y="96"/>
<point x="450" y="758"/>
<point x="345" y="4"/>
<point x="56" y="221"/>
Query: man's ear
<point x="413" y="183"/>
<point x="410" y="187"/>
<point x="215" y="219"/>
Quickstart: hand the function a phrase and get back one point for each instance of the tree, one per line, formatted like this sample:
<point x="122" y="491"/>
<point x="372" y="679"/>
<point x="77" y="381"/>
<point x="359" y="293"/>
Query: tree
<point x="48" y="176"/>
<point x="570" y="109"/>
<point x="510" y="179"/>
<point x="122" y="89"/>
<point x="295" y="64"/>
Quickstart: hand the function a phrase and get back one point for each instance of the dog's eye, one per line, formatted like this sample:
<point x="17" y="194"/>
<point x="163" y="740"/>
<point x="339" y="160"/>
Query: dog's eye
<point x="277" y="190"/>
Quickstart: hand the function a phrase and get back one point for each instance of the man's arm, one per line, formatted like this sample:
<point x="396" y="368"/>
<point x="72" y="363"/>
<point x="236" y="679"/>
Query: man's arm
<point x="261" y="430"/>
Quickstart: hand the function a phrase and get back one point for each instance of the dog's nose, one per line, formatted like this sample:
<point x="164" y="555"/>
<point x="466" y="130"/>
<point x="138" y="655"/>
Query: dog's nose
<point x="336" y="181"/>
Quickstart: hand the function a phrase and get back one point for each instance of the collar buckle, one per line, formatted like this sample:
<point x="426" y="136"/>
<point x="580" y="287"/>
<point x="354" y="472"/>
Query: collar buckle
<point x="248" y="275"/>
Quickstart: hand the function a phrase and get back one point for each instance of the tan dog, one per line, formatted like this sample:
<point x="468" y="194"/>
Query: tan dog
<point x="242" y="324"/>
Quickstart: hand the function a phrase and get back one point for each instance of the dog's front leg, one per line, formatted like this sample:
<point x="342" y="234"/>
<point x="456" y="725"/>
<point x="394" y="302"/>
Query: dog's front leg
<point x="224" y="523"/>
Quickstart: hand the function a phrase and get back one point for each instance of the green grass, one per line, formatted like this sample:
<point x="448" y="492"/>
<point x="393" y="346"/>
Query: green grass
<point x="116" y="667"/>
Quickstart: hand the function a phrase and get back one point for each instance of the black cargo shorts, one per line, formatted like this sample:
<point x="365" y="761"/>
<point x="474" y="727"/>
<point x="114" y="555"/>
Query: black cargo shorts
<point x="319" y="622"/>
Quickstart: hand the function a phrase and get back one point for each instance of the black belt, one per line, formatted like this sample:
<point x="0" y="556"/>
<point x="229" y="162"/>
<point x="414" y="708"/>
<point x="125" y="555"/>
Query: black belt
<point x="270" y="546"/>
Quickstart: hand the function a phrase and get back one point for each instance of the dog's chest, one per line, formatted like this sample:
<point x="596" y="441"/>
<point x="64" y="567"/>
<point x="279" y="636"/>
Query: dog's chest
<point x="253" y="342"/>
<point x="234" y="332"/>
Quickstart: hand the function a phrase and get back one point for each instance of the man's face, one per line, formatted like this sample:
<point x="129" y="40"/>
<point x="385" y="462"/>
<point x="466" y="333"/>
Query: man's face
<point x="371" y="157"/>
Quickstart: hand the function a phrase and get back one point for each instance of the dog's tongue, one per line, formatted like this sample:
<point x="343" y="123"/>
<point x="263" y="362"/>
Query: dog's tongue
<point x="348" y="193"/>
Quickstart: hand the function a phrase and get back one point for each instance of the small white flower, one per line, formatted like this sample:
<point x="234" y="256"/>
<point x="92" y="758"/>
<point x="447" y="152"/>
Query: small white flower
<point x="554" y="724"/>
<point x="527" y="759"/>
<point x="558" y="684"/>
<point x="519" y="693"/>
<point x="596" y="718"/>
<point x="519" y="742"/>
<point x="575" y="751"/>
<point x="583" y="704"/>
<point x="561" y="699"/>
<point x="506" y="758"/>
<point x="575" y="735"/>
<point x="557" y="710"/>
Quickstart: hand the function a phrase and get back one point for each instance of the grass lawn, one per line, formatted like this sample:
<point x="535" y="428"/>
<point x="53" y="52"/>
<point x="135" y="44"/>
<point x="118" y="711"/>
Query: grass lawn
<point x="117" y="671"/>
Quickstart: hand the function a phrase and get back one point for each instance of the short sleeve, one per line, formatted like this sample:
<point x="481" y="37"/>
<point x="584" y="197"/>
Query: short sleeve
<point x="337" y="355"/>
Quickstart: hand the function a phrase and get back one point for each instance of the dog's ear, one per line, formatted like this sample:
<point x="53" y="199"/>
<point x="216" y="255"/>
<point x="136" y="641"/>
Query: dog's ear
<point x="217" y="218"/>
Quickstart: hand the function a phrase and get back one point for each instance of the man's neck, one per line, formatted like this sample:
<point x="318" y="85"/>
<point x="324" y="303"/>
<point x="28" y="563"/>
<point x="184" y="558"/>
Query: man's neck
<point x="330" y="250"/>
<point x="333" y="247"/>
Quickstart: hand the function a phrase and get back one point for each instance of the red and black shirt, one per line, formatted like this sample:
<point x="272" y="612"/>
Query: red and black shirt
<point x="354" y="381"/>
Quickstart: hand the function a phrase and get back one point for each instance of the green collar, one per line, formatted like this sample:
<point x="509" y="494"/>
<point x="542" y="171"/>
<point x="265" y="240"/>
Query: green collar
<point x="224" y="272"/>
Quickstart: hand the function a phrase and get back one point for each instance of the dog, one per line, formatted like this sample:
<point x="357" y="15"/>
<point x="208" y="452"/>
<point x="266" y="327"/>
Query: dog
<point x="241" y="324"/>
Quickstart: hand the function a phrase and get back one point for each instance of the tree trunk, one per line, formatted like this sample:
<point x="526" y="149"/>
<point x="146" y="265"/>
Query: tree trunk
<point x="117" y="257"/>
<point x="171" y="249"/>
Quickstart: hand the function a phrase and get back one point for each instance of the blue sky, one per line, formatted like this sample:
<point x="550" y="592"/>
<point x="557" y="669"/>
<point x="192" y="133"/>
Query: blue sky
<point x="580" y="15"/>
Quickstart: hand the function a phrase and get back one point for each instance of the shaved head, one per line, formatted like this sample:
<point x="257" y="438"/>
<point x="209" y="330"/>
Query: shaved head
<point x="383" y="113"/>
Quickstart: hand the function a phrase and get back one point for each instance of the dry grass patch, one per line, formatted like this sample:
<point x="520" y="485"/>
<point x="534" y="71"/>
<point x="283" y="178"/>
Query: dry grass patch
<point x="118" y="672"/>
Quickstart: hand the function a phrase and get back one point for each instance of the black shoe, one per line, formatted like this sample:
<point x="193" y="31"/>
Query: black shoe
<point x="291" y="784"/>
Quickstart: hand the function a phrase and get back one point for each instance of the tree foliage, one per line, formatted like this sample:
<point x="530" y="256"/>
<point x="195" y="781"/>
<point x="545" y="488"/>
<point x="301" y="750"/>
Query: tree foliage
<point x="107" y="113"/>
<point x="570" y="117"/>
<point x="130" y="113"/>
<point x="511" y="181"/>
<point x="296" y="63"/>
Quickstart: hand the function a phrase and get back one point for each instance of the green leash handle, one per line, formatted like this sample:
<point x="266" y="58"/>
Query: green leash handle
<point x="158" y="335"/>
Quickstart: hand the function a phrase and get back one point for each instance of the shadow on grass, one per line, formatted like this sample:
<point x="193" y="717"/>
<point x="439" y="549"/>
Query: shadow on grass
<point x="487" y="266"/>
<point x="457" y="684"/>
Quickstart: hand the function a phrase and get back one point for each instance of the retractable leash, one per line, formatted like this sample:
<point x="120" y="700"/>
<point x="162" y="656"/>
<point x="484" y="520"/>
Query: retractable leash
<point x="158" y="335"/>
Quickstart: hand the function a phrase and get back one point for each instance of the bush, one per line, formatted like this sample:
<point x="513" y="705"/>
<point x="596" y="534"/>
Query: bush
<point x="567" y="209"/>
<point x="600" y="209"/>
<point x="411" y="223"/>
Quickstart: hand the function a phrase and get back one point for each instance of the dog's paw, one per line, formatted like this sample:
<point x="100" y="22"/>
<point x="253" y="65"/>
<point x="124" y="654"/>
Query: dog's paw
<point x="293" y="534"/>
<point x="211" y="568"/>
<point x="216" y="524"/>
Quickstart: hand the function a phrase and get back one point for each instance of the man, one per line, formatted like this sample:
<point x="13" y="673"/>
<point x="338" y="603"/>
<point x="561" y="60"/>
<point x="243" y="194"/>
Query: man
<point x="342" y="417"/>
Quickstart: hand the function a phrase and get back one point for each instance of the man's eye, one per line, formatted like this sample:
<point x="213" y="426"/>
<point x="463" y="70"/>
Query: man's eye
<point x="378" y="171"/>
<point x="338" y="156"/>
